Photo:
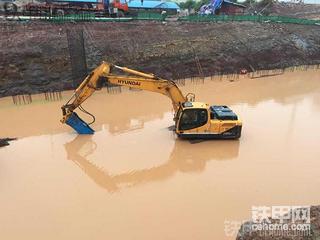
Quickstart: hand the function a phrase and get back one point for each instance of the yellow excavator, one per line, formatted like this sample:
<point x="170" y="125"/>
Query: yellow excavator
<point x="193" y="120"/>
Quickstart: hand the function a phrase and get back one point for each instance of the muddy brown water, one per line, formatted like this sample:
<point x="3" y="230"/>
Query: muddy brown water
<point x="133" y="179"/>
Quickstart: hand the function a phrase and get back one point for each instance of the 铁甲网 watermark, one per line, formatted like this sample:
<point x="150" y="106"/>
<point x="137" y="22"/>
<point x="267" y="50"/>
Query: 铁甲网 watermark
<point x="281" y="221"/>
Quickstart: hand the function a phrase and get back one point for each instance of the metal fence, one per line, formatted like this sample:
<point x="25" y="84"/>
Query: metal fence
<point x="150" y="16"/>
<point x="84" y="17"/>
<point x="231" y="77"/>
<point x="90" y="17"/>
<point x="87" y="17"/>
<point x="240" y="18"/>
<point x="193" y="18"/>
<point x="73" y="17"/>
<point x="153" y="16"/>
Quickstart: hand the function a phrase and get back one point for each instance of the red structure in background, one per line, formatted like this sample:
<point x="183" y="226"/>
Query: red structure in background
<point x="231" y="8"/>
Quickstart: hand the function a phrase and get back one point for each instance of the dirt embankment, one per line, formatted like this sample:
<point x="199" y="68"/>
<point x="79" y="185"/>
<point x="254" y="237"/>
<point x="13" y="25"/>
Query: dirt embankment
<point x="34" y="57"/>
<point x="5" y="141"/>
<point x="310" y="11"/>
<point x="297" y="10"/>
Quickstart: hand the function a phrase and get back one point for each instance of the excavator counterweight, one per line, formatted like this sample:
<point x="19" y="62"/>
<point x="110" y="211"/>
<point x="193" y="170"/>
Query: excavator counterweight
<point x="192" y="119"/>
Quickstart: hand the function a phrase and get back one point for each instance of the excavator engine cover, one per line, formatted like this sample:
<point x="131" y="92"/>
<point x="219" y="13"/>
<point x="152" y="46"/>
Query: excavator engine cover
<point x="78" y="124"/>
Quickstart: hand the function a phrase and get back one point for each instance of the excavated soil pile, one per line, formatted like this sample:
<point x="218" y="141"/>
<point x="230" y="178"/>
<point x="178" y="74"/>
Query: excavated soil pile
<point x="34" y="56"/>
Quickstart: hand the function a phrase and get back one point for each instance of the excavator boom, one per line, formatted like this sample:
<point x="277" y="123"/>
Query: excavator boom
<point x="94" y="81"/>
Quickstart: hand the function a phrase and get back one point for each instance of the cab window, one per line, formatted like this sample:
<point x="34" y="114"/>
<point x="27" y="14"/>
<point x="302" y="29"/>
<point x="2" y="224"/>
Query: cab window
<point x="193" y="118"/>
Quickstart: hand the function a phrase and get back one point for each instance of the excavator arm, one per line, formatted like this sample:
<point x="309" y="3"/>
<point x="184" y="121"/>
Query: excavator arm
<point x="94" y="81"/>
<point x="164" y="87"/>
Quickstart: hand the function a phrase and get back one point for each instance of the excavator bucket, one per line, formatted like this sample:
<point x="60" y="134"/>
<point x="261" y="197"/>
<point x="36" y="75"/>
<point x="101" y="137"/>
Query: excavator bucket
<point x="78" y="124"/>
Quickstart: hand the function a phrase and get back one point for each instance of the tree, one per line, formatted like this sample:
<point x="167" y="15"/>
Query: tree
<point x="189" y="4"/>
<point x="200" y="3"/>
<point x="248" y="2"/>
<point x="192" y="4"/>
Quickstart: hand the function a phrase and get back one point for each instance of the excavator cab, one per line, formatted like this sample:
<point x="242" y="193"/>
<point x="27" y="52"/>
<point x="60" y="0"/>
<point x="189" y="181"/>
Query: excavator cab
<point x="192" y="118"/>
<point x="199" y="120"/>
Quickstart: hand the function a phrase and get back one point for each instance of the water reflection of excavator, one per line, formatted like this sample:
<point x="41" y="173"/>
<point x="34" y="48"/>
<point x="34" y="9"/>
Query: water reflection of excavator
<point x="181" y="159"/>
<point x="192" y="119"/>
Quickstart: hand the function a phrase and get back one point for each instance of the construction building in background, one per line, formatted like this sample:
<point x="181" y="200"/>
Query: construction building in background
<point x="231" y="8"/>
<point x="154" y="6"/>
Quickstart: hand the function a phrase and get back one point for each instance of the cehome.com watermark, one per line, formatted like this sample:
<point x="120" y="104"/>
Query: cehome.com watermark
<point x="280" y="221"/>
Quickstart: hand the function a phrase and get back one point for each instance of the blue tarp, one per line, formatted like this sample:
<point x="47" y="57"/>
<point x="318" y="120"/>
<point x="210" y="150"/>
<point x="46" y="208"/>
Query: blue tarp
<point x="216" y="4"/>
<point x="152" y="4"/>
<point x="210" y="9"/>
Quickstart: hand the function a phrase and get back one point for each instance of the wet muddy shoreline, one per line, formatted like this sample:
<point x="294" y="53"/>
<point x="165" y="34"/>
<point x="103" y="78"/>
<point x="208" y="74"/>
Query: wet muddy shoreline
<point x="5" y="141"/>
<point x="35" y="57"/>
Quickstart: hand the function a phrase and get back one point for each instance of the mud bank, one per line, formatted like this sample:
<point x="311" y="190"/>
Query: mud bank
<point x="34" y="57"/>
<point x="5" y="141"/>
